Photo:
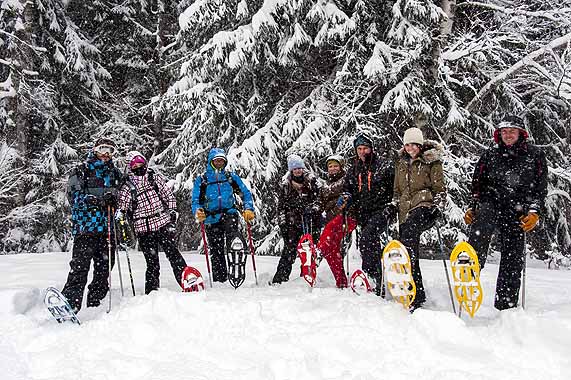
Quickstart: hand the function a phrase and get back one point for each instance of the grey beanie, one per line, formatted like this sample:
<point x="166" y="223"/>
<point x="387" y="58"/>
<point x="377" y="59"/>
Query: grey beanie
<point x="295" y="162"/>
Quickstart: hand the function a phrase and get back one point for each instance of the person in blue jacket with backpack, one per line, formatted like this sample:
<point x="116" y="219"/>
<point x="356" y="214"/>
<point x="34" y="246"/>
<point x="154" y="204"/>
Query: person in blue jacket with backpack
<point x="214" y="203"/>
<point x="92" y="193"/>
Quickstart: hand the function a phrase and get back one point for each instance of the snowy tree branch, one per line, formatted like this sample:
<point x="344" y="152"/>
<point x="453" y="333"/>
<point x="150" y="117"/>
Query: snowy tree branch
<point x="555" y="44"/>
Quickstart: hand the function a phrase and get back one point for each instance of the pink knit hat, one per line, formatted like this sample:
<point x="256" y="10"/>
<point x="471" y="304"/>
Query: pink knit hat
<point x="138" y="159"/>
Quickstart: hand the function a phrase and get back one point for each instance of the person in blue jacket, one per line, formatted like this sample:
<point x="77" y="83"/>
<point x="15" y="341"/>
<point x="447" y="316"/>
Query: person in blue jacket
<point x="92" y="193"/>
<point x="214" y="203"/>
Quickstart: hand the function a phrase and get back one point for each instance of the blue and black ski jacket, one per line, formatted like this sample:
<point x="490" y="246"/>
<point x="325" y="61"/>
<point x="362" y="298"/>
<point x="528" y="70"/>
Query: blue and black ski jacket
<point x="215" y="191"/>
<point x="87" y="186"/>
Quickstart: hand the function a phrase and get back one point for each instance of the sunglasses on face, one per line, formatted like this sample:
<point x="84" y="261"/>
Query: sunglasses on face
<point x="104" y="150"/>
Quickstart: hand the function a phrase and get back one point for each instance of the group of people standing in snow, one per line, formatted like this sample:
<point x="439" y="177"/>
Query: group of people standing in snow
<point x="509" y="187"/>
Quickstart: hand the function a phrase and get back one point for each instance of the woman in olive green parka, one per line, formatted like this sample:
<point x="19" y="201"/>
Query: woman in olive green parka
<point x="420" y="194"/>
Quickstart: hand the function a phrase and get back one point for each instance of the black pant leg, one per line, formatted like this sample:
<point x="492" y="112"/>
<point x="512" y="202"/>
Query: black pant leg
<point x="481" y="232"/>
<point x="289" y="254"/>
<point x="82" y="252"/>
<point x="149" y="244"/>
<point x="370" y="244"/>
<point x="418" y="220"/>
<point x="99" y="286"/>
<point x="215" y="234"/>
<point x="511" y="245"/>
<point x="176" y="260"/>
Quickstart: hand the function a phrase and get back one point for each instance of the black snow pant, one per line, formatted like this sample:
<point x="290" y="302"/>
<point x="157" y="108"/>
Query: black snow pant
<point x="492" y="219"/>
<point x="149" y="244"/>
<point x="227" y="228"/>
<point x="87" y="248"/>
<point x="370" y="244"/>
<point x="417" y="221"/>
<point x="291" y="234"/>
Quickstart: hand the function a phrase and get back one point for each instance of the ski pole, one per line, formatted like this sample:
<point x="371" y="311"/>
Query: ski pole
<point x="109" y="254"/>
<point x="446" y="269"/>
<point x="344" y="243"/>
<point x="118" y="260"/>
<point x="122" y="223"/>
<point x="252" y="251"/>
<point x="206" y="252"/>
<point x="523" y="273"/>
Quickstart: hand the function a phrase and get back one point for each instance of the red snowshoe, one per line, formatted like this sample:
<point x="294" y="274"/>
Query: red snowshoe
<point x="308" y="256"/>
<point x="192" y="280"/>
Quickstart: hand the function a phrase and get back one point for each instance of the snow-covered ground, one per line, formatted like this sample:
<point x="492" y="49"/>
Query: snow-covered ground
<point x="283" y="332"/>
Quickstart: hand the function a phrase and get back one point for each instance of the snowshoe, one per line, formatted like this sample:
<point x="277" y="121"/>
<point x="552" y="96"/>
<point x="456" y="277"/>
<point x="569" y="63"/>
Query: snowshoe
<point x="359" y="282"/>
<point x="191" y="280"/>
<point x="308" y="256"/>
<point x="466" y="276"/>
<point x="59" y="307"/>
<point x="237" y="257"/>
<point x="398" y="273"/>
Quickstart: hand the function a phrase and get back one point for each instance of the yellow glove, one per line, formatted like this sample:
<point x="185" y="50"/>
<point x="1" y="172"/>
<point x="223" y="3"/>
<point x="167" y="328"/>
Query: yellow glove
<point x="248" y="215"/>
<point x="469" y="216"/>
<point x="529" y="221"/>
<point x="200" y="215"/>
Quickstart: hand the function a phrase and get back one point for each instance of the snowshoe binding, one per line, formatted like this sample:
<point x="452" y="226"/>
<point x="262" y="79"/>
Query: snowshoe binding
<point x="237" y="257"/>
<point x="398" y="273"/>
<point x="466" y="276"/>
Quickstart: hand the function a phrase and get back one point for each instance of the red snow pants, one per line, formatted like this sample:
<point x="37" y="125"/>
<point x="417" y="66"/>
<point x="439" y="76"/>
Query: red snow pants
<point x="330" y="246"/>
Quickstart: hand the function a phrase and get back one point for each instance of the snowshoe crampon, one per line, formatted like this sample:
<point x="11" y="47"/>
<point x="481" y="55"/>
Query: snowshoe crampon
<point x="237" y="257"/>
<point x="359" y="282"/>
<point x="59" y="307"/>
<point x="191" y="280"/>
<point x="398" y="272"/>
<point x="466" y="276"/>
<point x="308" y="256"/>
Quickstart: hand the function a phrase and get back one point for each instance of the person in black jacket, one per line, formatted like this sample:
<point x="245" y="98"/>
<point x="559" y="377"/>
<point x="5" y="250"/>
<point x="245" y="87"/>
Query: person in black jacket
<point x="368" y="191"/>
<point x="298" y="213"/>
<point x="509" y="187"/>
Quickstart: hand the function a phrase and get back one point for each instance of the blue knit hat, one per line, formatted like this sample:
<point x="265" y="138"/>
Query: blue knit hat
<point x="362" y="139"/>
<point x="295" y="162"/>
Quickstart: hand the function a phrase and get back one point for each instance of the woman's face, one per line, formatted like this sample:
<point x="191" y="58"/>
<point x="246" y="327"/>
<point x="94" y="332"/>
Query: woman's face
<point x="333" y="167"/>
<point x="412" y="149"/>
<point x="297" y="172"/>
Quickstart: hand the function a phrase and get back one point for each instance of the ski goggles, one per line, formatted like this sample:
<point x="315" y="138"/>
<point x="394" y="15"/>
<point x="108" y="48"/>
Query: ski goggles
<point x="104" y="150"/>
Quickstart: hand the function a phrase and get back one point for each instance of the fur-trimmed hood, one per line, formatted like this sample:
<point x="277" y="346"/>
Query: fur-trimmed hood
<point x="431" y="151"/>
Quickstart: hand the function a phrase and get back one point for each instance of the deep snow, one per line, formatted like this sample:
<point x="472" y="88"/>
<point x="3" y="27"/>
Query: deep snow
<point x="283" y="332"/>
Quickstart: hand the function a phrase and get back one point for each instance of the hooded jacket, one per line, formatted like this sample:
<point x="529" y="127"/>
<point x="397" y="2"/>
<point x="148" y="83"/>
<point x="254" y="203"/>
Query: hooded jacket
<point x="419" y="182"/>
<point x="215" y="191"/>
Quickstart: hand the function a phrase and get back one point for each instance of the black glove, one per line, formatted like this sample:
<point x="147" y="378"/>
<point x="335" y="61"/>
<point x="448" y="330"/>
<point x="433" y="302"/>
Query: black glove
<point x="91" y="200"/>
<point x="174" y="216"/>
<point x="436" y="213"/>
<point x="109" y="198"/>
<point x="390" y="211"/>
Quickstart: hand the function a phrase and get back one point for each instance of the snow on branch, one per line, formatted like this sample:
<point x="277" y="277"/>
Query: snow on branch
<point x="555" y="44"/>
<point x="549" y="15"/>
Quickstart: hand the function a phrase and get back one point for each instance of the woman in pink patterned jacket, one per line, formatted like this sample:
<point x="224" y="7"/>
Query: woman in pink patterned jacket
<point x="152" y="207"/>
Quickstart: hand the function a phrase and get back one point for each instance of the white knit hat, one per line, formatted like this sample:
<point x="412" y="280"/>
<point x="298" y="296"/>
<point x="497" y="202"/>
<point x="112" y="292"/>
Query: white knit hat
<point x="413" y="136"/>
